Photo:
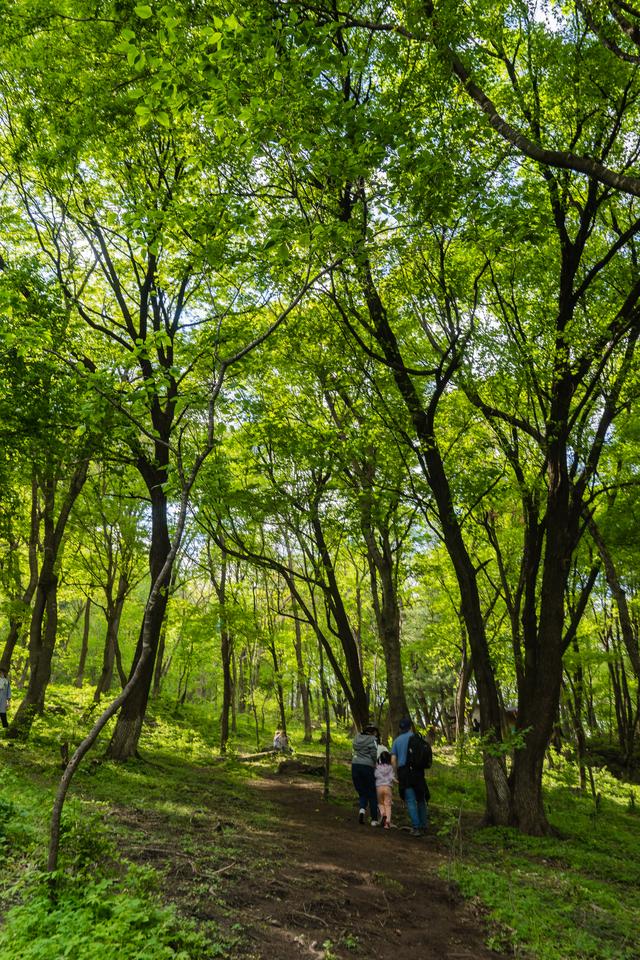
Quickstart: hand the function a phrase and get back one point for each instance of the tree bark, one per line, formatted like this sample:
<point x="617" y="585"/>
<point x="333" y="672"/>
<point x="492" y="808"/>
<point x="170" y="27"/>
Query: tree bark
<point x="159" y="670"/>
<point x="498" y="804"/>
<point x="303" y="688"/>
<point x="613" y="580"/>
<point x="114" y="613"/>
<point x="16" y="622"/>
<point x="124" y="741"/>
<point x="383" y="576"/>
<point x="44" y="617"/>
<point x="464" y="676"/>
<point x="84" y="649"/>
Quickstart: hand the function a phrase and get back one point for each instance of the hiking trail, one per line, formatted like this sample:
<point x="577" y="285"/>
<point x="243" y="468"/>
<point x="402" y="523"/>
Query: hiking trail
<point x="316" y="884"/>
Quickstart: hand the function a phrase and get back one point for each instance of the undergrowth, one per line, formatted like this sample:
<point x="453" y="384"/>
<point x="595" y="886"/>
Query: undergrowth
<point x="573" y="896"/>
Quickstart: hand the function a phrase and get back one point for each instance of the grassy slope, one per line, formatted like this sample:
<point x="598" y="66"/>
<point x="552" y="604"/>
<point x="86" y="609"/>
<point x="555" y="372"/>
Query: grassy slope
<point x="574" y="896"/>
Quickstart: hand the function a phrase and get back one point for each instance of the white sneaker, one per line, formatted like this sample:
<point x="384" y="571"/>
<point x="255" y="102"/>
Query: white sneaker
<point x="374" y="823"/>
<point x="361" y="814"/>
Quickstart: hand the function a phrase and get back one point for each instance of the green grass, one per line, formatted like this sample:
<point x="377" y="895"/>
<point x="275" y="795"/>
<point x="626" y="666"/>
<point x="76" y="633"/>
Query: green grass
<point x="99" y="905"/>
<point x="575" y="896"/>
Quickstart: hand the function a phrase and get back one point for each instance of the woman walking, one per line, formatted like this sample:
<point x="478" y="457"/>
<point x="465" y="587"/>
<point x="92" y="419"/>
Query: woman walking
<point x="363" y="764"/>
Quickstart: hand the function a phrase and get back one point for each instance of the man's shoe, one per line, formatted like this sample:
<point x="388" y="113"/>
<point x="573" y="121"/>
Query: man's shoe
<point x="414" y="832"/>
<point x="361" y="816"/>
<point x="374" y="823"/>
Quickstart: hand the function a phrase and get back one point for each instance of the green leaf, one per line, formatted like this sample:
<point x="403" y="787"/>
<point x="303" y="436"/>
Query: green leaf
<point x="143" y="10"/>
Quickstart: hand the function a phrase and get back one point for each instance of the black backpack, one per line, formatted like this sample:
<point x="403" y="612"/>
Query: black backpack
<point x="419" y="753"/>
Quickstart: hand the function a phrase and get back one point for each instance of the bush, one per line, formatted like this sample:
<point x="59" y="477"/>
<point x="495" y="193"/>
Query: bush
<point x="75" y="918"/>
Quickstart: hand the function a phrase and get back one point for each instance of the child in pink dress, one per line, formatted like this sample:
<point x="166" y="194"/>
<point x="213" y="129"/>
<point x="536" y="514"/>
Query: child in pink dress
<point x="384" y="787"/>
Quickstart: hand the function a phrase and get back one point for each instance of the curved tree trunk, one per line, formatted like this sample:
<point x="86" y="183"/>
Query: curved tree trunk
<point x="42" y="640"/>
<point x="341" y="627"/>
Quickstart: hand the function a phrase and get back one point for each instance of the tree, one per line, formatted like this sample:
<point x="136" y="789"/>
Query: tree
<point x="129" y="202"/>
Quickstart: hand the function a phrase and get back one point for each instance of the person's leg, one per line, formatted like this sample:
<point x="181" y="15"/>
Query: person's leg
<point x="3" y="717"/>
<point x="412" y="807"/>
<point x="423" y="813"/>
<point x="372" y="794"/>
<point x="384" y="804"/>
<point x="361" y="782"/>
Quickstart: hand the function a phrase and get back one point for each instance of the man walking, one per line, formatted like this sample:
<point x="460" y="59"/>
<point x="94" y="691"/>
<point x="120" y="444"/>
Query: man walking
<point x="411" y="781"/>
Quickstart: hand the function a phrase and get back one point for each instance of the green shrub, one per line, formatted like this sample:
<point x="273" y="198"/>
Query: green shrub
<point x="82" y="920"/>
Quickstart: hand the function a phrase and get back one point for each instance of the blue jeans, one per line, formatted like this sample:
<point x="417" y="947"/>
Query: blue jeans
<point x="364" y="780"/>
<point x="416" y="808"/>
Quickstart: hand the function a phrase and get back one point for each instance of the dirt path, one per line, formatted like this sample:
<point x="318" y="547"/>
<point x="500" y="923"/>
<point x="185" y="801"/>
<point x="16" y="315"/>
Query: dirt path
<point x="318" y="886"/>
<point x="370" y="892"/>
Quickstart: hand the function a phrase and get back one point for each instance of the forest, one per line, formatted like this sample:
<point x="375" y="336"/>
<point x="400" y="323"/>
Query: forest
<point x="318" y="389"/>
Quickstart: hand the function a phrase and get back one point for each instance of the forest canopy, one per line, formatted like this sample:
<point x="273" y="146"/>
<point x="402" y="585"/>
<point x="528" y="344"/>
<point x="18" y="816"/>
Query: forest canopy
<point x="317" y="338"/>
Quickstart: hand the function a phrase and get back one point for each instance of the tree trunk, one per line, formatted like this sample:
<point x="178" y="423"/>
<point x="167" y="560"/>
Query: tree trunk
<point x="226" y="643"/>
<point x="539" y="693"/>
<point x="354" y="690"/>
<point x="44" y="618"/>
<point x="159" y="670"/>
<point x="124" y="741"/>
<point x="613" y="580"/>
<point x="387" y="610"/>
<point x="327" y="726"/>
<point x="278" y="685"/>
<point x="498" y="807"/>
<point x="574" y="699"/>
<point x="84" y="649"/>
<point x="227" y="683"/>
<point x="17" y="622"/>
<point x="41" y="645"/>
<point x="464" y="676"/>
<point x="303" y="689"/>
<point x="114" y="614"/>
<point x="234" y="681"/>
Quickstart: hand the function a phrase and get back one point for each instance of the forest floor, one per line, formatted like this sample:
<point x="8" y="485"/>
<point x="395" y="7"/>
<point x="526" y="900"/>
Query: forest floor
<point x="254" y="865"/>
<point x="301" y="878"/>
